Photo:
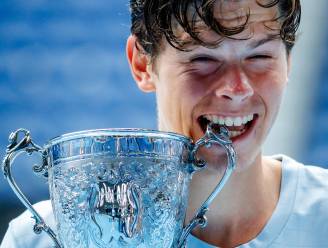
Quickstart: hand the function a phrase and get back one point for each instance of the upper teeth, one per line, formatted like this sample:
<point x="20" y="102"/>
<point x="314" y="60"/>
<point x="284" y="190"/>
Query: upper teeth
<point x="229" y="121"/>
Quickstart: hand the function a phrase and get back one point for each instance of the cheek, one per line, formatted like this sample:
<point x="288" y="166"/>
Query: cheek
<point x="272" y="80"/>
<point x="187" y="87"/>
<point x="197" y="86"/>
<point x="271" y="87"/>
<point x="174" y="101"/>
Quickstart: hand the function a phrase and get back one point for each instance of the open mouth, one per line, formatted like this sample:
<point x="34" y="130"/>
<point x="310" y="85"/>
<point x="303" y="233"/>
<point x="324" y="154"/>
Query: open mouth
<point x="237" y="126"/>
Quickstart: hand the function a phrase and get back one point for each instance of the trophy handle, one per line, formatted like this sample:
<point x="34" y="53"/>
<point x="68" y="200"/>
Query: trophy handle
<point x="15" y="148"/>
<point x="210" y="137"/>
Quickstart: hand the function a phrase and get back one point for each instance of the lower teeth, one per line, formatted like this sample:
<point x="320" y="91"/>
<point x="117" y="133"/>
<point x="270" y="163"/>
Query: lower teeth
<point x="233" y="134"/>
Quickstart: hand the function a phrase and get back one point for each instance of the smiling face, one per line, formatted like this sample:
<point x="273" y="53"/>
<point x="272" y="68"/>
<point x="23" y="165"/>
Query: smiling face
<point x="238" y="84"/>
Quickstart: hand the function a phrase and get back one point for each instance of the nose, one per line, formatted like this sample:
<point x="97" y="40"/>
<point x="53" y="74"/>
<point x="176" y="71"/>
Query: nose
<point x="234" y="85"/>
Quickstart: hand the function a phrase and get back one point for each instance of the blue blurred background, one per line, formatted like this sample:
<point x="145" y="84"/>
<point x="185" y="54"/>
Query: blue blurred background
<point x="63" y="69"/>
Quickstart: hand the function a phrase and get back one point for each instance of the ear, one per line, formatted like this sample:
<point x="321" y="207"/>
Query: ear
<point x="139" y="65"/>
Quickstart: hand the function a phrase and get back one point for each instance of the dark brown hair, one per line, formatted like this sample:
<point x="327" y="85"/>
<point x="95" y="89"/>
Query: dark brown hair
<point x="154" y="19"/>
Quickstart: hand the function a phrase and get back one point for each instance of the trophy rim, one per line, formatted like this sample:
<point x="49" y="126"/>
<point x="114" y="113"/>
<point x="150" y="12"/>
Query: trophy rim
<point x="117" y="133"/>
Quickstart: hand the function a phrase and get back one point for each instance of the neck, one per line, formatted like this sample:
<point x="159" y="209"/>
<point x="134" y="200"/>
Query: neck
<point x="242" y="208"/>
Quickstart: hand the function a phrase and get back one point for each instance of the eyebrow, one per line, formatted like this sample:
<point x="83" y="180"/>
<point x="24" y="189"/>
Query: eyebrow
<point x="257" y="43"/>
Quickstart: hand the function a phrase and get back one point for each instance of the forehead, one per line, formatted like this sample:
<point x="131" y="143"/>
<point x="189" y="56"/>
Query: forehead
<point x="231" y="14"/>
<point x="235" y="12"/>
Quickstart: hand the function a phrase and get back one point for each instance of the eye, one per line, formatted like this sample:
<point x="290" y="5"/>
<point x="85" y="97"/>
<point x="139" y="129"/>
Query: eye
<point x="202" y="59"/>
<point x="203" y="64"/>
<point x="259" y="56"/>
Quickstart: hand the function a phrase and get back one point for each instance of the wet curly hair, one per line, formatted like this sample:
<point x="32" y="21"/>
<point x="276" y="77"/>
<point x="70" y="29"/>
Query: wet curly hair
<point x="153" y="20"/>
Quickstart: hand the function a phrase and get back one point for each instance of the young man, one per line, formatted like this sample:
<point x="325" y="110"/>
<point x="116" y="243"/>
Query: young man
<point x="225" y="62"/>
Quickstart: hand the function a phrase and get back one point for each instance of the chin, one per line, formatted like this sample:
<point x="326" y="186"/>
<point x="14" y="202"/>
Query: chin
<point x="216" y="157"/>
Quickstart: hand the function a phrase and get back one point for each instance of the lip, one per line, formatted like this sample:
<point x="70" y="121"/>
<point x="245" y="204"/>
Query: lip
<point x="224" y="115"/>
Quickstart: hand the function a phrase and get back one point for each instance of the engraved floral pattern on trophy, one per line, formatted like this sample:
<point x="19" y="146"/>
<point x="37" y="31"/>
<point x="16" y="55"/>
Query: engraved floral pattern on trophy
<point x="157" y="184"/>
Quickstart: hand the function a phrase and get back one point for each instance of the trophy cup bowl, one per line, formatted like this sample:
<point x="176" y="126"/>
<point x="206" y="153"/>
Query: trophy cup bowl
<point x="118" y="187"/>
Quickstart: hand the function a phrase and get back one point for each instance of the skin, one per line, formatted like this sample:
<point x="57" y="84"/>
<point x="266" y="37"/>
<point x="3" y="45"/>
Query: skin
<point x="237" y="78"/>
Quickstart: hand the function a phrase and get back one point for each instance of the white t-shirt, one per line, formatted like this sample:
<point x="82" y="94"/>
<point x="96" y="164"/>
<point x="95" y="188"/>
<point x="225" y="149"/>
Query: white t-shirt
<point x="299" y="220"/>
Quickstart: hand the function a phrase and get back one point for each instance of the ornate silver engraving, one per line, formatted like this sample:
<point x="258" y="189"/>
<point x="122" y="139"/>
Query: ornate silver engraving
<point x="120" y="202"/>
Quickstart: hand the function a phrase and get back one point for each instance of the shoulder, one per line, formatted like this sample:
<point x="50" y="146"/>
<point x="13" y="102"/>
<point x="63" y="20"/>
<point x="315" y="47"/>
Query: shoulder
<point x="26" y="220"/>
<point x="312" y="190"/>
<point x="20" y="231"/>
<point x="311" y="181"/>
<point x="304" y="203"/>
<point x="309" y="177"/>
<point x="314" y="176"/>
<point x="309" y="217"/>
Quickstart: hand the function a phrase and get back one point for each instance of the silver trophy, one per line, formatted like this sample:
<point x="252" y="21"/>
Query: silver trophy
<point x="119" y="187"/>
